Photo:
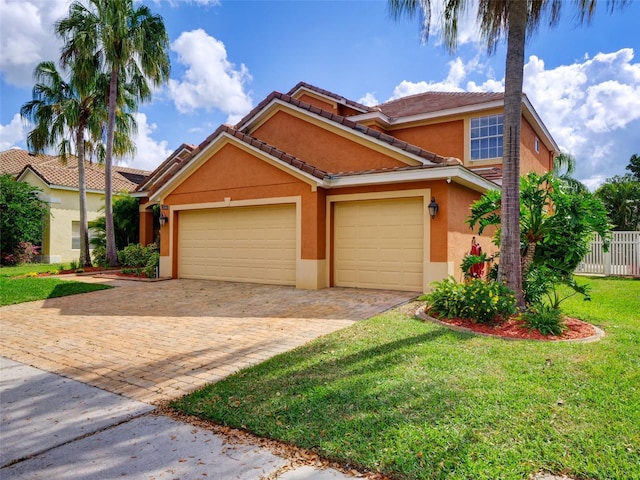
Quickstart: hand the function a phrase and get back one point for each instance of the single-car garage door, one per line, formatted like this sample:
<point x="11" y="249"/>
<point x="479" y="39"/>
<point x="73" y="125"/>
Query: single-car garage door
<point x="379" y="244"/>
<point x="244" y="244"/>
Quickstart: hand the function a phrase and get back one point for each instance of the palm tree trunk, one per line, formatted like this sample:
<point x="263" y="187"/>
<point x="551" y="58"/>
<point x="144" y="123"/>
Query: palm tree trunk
<point x="112" y="254"/>
<point x="510" y="270"/>
<point x="527" y="260"/>
<point x="85" y="255"/>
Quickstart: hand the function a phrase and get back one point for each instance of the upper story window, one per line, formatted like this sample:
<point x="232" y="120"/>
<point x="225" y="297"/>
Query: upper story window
<point x="537" y="145"/>
<point x="486" y="137"/>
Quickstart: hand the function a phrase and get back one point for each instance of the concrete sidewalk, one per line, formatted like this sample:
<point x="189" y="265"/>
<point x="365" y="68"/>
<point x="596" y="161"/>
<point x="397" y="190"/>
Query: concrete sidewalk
<point x="56" y="428"/>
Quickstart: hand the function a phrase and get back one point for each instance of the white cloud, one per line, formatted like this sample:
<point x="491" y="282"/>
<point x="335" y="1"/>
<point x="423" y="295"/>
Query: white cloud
<point x="458" y="72"/>
<point x="149" y="152"/>
<point x="369" y="99"/>
<point x="12" y="134"/>
<point x="27" y="37"/>
<point x="592" y="109"/>
<point x="210" y="80"/>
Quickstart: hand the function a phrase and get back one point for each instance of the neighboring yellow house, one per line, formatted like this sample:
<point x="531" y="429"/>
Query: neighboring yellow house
<point x="59" y="185"/>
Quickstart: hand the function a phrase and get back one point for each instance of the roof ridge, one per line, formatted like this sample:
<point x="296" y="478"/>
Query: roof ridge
<point x="328" y="93"/>
<point x="437" y="92"/>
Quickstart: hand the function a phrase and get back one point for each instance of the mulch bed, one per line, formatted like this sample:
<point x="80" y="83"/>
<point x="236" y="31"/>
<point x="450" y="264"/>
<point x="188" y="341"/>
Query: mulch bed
<point x="515" y="328"/>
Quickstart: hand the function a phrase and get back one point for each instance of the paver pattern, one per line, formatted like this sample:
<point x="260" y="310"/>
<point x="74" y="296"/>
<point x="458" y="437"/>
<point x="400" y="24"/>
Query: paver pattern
<point x="157" y="341"/>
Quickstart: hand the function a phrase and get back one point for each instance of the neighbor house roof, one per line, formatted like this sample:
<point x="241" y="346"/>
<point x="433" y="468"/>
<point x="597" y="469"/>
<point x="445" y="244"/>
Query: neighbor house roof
<point x="54" y="173"/>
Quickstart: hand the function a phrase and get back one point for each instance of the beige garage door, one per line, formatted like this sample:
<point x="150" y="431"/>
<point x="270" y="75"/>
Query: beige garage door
<point x="244" y="244"/>
<point x="379" y="244"/>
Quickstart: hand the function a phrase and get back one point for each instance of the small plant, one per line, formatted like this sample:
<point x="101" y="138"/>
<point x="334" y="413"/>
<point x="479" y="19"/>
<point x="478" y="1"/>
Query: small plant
<point x="74" y="265"/>
<point x="32" y="274"/>
<point x="547" y="319"/>
<point x="25" y="252"/>
<point x="477" y="300"/>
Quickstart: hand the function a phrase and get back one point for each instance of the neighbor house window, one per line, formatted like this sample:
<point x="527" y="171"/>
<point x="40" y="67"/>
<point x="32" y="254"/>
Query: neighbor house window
<point x="75" y="236"/>
<point x="486" y="137"/>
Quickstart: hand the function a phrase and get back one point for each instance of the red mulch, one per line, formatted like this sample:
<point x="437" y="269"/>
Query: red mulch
<point x="515" y="328"/>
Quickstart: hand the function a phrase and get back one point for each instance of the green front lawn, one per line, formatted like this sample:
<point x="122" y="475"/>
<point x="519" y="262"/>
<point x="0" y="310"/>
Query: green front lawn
<point x="416" y="400"/>
<point x="17" y="287"/>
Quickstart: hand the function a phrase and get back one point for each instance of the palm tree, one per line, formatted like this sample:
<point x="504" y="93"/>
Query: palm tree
<point x="66" y="115"/>
<point x="133" y="46"/>
<point x="497" y="19"/>
<point x="564" y="164"/>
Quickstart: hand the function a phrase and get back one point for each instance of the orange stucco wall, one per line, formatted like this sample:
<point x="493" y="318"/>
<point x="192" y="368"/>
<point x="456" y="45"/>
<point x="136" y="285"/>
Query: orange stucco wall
<point x="530" y="160"/>
<point x="234" y="173"/>
<point x="446" y="139"/>
<point x="321" y="148"/>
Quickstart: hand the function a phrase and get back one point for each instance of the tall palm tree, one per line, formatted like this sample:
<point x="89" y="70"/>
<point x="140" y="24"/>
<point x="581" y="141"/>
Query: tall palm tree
<point x="67" y="116"/>
<point x="134" y="48"/>
<point x="497" y="19"/>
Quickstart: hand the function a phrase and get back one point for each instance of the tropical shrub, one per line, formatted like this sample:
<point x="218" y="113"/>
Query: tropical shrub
<point x="477" y="300"/>
<point x="548" y="320"/>
<point x="140" y="259"/>
<point x="99" y="254"/>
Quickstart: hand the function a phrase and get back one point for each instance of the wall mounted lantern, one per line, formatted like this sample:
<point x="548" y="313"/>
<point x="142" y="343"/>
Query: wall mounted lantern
<point x="433" y="208"/>
<point x="163" y="219"/>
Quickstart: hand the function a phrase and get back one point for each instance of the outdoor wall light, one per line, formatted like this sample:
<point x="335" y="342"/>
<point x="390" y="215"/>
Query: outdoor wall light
<point x="163" y="219"/>
<point x="433" y="208"/>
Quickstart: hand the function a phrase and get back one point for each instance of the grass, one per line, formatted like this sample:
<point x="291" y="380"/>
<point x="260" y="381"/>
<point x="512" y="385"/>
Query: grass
<point x="415" y="400"/>
<point x="15" y="287"/>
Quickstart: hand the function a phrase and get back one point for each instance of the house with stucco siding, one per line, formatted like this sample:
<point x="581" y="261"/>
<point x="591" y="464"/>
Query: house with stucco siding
<point x="58" y="182"/>
<point x="313" y="190"/>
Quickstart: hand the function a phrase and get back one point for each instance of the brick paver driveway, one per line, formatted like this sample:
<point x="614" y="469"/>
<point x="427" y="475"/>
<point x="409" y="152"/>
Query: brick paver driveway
<point x="156" y="341"/>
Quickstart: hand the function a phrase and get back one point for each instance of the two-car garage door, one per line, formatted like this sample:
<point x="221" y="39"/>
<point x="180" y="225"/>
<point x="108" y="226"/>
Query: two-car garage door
<point x="246" y="244"/>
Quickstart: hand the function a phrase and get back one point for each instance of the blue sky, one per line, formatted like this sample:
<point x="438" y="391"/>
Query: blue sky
<point x="584" y="81"/>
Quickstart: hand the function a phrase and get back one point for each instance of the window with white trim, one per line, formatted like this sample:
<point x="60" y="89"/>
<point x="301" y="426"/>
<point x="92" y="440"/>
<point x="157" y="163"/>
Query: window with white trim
<point x="75" y="236"/>
<point x="486" y="137"/>
<point x="537" y="145"/>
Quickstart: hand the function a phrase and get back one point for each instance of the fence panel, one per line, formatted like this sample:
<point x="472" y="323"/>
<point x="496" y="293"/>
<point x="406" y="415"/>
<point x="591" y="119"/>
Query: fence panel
<point x="623" y="257"/>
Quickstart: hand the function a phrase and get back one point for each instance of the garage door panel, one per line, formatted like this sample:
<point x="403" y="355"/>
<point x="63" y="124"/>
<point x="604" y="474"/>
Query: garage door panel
<point x="248" y="244"/>
<point x="379" y="244"/>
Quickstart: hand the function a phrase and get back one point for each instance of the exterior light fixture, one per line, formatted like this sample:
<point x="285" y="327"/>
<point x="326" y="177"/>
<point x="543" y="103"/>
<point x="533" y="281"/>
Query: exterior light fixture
<point x="163" y="219"/>
<point x="433" y="208"/>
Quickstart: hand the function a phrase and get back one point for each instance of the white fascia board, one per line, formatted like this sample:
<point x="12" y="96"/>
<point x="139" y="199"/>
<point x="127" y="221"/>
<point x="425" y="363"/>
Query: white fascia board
<point x="456" y="173"/>
<point x="431" y="115"/>
<point x="351" y="131"/>
<point x="196" y="161"/>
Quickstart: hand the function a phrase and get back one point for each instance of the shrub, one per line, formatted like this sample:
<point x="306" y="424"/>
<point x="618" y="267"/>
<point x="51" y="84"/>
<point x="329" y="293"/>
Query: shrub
<point x="544" y="318"/>
<point x="140" y="259"/>
<point x="99" y="254"/>
<point x="25" y="252"/>
<point x="477" y="300"/>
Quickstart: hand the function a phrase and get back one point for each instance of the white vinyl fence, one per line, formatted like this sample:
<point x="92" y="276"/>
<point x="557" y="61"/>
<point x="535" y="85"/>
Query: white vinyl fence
<point x="623" y="257"/>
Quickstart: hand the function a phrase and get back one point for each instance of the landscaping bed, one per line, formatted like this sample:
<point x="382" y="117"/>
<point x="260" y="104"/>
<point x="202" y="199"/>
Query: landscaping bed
<point x="516" y="329"/>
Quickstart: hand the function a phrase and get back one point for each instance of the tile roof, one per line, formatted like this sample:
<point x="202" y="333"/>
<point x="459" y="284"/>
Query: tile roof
<point x="429" y="102"/>
<point x="167" y="168"/>
<point x="53" y="172"/>
<point x="327" y="93"/>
